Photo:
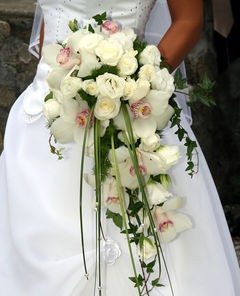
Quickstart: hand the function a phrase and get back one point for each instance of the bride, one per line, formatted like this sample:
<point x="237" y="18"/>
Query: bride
<point x="40" y="253"/>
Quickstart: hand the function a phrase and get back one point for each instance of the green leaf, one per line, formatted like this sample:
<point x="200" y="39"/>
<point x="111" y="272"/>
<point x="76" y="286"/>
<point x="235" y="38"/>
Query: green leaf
<point x="180" y="81"/>
<point x="100" y="18"/>
<point x="102" y="70"/>
<point x="137" y="281"/>
<point x="91" y="100"/>
<point x="49" y="96"/>
<point x="155" y="283"/>
<point x="73" y="25"/>
<point x="90" y="29"/>
<point x="117" y="218"/>
<point x="202" y="93"/>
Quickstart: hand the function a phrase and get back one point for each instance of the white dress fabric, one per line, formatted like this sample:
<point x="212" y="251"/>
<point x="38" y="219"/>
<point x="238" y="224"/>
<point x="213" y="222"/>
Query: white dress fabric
<point x="40" y="251"/>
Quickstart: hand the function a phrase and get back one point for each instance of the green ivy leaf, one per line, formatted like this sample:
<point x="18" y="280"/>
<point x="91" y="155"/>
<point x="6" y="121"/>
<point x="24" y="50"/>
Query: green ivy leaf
<point x="73" y="25"/>
<point x="91" y="100"/>
<point x="49" y="96"/>
<point x="117" y="218"/>
<point x="180" y="81"/>
<point x="90" y="29"/>
<point x="100" y="18"/>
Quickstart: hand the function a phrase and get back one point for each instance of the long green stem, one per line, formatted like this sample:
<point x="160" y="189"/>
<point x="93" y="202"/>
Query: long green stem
<point x="120" y="195"/>
<point x="98" y="196"/>
<point x="81" y="189"/>
<point x="141" y="186"/>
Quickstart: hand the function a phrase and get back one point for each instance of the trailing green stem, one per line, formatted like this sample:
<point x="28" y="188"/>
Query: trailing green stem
<point x="134" y="158"/>
<point x="119" y="189"/>
<point x="98" y="196"/>
<point x="81" y="188"/>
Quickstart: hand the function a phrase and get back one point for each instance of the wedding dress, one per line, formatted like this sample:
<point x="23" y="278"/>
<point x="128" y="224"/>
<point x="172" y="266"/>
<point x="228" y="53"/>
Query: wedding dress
<point x="40" y="251"/>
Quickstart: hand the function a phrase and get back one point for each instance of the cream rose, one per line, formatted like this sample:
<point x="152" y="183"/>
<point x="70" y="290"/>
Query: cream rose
<point x="90" y="42"/>
<point x="130" y="87"/>
<point x="163" y="81"/>
<point x="70" y="86"/>
<point x="150" y="55"/>
<point x="143" y="88"/>
<point x="125" y="38"/>
<point x="170" y="155"/>
<point x="127" y="65"/>
<point x="147" y="72"/>
<point x="106" y="108"/>
<point x="51" y="109"/>
<point x="150" y="144"/>
<point x="109" y="52"/>
<point x="110" y="85"/>
<point x="90" y="87"/>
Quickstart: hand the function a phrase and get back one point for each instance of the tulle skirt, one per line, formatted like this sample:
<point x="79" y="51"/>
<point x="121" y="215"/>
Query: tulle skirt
<point x="40" y="251"/>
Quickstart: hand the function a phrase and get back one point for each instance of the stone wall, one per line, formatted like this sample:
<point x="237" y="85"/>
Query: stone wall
<point x="16" y="63"/>
<point x="218" y="129"/>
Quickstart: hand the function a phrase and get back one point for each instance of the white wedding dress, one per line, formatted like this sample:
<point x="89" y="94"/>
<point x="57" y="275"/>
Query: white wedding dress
<point x="40" y="251"/>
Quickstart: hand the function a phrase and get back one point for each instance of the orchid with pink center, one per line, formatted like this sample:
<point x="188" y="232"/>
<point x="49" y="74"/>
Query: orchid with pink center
<point x="127" y="174"/>
<point x="57" y="56"/>
<point x="170" y="224"/>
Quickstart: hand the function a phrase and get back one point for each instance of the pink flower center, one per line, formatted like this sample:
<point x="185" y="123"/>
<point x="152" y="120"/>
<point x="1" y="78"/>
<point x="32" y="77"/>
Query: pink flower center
<point x="112" y="199"/>
<point x="82" y="117"/>
<point x="142" y="170"/>
<point x="164" y="225"/>
<point x="64" y="55"/>
<point x="141" y="109"/>
<point x="110" y="26"/>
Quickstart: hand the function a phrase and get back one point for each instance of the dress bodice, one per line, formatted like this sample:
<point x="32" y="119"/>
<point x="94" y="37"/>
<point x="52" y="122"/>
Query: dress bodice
<point x="57" y="14"/>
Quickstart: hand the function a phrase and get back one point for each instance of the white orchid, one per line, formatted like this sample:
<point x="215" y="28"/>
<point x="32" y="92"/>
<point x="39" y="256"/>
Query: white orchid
<point x="58" y="56"/>
<point x="127" y="174"/>
<point x="171" y="223"/>
<point x="73" y="119"/>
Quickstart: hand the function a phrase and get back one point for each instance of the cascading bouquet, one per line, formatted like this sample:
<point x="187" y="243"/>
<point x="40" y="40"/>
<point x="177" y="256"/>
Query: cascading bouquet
<point x="110" y="94"/>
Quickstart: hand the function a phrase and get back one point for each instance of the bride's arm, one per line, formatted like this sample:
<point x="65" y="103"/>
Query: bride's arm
<point x="41" y="40"/>
<point x="184" y="32"/>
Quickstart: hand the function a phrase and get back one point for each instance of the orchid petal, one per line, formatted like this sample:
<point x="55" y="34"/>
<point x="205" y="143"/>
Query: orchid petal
<point x="62" y="131"/>
<point x="50" y="53"/>
<point x="164" y="118"/>
<point x="181" y="221"/>
<point x="144" y="127"/>
<point x="158" y="101"/>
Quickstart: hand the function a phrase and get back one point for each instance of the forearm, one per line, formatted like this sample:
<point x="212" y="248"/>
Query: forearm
<point x="41" y="40"/>
<point x="187" y="19"/>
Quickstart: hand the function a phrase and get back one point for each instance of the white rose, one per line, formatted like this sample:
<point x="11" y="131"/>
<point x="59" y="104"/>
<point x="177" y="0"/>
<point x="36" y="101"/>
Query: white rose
<point x="127" y="65"/>
<point x="170" y="155"/>
<point x="75" y="39"/>
<point x="70" y="86"/>
<point x="90" y="87"/>
<point x="150" y="144"/>
<point x="106" y="108"/>
<point x="163" y="81"/>
<point x="150" y="55"/>
<point x="147" y="72"/>
<point x="51" y="109"/>
<point x="90" y="42"/>
<point x="109" y="52"/>
<point x="125" y="38"/>
<point x="143" y="88"/>
<point x="156" y="193"/>
<point x="130" y="87"/>
<point x="147" y="249"/>
<point x="110" y="85"/>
